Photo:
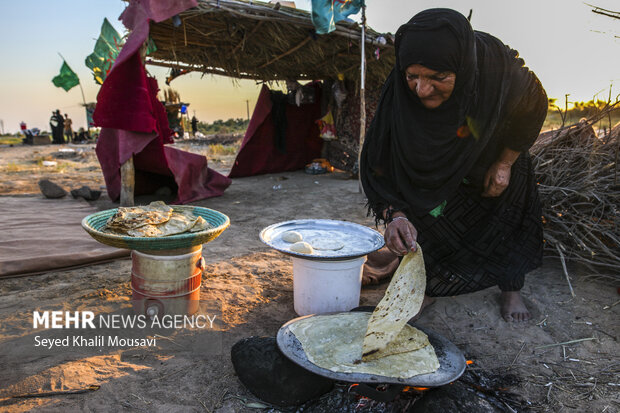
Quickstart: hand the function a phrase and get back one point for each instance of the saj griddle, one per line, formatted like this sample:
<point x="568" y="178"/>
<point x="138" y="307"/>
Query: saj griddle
<point x="451" y="361"/>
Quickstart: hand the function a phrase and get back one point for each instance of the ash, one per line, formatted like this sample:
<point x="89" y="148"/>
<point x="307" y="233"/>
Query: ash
<point x="475" y="391"/>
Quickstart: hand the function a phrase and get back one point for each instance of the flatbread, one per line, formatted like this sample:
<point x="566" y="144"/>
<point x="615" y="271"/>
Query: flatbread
<point x="177" y="224"/>
<point x="154" y="220"/>
<point x="402" y="300"/>
<point x="145" y="231"/>
<point x="334" y="342"/>
<point x="201" y="224"/>
<point x="134" y="217"/>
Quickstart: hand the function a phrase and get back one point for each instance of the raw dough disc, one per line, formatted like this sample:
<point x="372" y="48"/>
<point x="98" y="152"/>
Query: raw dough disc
<point x="302" y="247"/>
<point x="292" y="237"/>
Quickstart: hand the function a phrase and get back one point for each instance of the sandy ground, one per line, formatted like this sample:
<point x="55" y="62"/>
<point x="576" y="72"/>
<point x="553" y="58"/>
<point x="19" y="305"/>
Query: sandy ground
<point x="190" y="370"/>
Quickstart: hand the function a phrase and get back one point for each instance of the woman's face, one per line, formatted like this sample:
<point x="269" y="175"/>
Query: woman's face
<point x="432" y="87"/>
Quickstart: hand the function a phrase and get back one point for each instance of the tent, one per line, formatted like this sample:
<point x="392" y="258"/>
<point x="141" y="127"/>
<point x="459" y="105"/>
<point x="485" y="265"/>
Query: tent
<point x="271" y="42"/>
<point x="131" y="147"/>
<point x="281" y="136"/>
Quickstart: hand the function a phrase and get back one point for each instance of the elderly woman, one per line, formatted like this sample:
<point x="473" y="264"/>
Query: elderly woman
<point x="445" y="162"/>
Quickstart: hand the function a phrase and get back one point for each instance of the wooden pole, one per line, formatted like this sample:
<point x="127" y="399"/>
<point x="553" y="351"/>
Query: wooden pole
<point x="362" y="98"/>
<point x="128" y="182"/>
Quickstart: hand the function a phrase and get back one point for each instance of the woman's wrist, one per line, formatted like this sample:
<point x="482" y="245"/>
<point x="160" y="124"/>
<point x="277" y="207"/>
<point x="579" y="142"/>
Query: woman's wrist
<point x="389" y="214"/>
<point x="400" y="217"/>
<point x="508" y="157"/>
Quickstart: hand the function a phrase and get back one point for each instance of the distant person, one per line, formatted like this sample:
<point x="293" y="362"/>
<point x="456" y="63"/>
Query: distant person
<point x="194" y="126"/>
<point x="67" y="122"/>
<point x="28" y="138"/>
<point x="82" y="136"/>
<point x="57" y="126"/>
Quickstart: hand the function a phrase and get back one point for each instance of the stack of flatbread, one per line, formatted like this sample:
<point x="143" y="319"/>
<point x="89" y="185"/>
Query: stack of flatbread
<point x="380" y="343"/>
<point x="154" y="220"/>
<point x="402" y="300"/>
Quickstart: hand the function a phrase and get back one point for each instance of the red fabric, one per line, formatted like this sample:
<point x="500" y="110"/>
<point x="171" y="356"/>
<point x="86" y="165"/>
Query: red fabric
<point x="134" y="123"/>
<point x="190" y="172"/>
<point x="157" y="10"/>
<point x="124" y="100"/>
<point x="114" y="147"/>
<point x="193" y="177"/>
<point x="258" y="154"/>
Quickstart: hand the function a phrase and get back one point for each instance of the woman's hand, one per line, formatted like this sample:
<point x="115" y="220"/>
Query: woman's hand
<point x="496" y="179"/>
<point x="400" y="236"/>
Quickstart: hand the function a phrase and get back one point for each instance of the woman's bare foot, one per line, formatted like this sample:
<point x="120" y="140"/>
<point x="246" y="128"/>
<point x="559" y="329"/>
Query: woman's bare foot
<point x="425" y="303"/>
<point x="513" y="308"/>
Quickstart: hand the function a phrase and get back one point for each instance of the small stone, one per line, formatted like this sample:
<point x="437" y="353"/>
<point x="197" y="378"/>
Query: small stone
<point x="51" y="190"/>
<point x="86" y="193"/>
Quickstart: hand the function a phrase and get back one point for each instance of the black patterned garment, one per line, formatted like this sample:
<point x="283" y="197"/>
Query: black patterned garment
<point x="481" y="242"/>
<point x="417" y="160"/>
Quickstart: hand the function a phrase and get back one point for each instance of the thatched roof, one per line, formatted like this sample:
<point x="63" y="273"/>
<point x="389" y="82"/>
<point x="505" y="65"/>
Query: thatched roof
<point x="256" y="40"/>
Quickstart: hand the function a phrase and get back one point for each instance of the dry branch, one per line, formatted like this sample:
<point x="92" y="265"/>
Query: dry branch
<point x="256" y="40"/>
<point x="577" y="174"/>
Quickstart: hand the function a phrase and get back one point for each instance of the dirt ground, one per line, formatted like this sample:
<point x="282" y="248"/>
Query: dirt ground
<point x="252" y="286"/>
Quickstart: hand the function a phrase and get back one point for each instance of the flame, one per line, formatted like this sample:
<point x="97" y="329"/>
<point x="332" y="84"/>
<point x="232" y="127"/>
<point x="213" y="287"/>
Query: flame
<point x="353" y="385"/>
<point x="469" y="362"/>
<point x="408" y="388"/>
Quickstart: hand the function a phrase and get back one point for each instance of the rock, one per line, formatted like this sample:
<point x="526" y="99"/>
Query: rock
<point x="86" y="193"/>
<point x="51" y="190"/>
<point x="273" y="378"/>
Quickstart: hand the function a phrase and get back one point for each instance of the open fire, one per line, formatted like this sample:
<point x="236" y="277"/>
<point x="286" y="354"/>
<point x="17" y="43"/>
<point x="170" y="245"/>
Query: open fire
<point x="474" y="391"/>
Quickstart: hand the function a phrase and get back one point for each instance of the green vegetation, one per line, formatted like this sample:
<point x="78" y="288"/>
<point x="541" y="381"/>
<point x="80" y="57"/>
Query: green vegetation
<point x="553" y="121"/>
<point x="9" y="140"/>
<point x="579" y="110"/>
<point x="223" y="127"/>
<point x="219" y="149"/>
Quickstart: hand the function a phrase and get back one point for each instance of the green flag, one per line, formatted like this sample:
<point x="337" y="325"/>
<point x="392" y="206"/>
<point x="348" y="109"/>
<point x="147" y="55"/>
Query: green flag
<point x="67" y="78"/>
<point x="106" y="51"/>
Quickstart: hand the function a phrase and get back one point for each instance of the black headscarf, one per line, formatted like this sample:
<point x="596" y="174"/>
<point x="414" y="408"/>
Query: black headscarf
<point x="412" y="158"/>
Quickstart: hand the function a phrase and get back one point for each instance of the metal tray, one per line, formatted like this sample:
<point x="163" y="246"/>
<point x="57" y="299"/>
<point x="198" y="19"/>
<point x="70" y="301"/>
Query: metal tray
<point x="358" y="240"/>
<point x="451" y="361"/>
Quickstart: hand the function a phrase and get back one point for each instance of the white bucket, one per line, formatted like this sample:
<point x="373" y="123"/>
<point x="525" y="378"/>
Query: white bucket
<point x="326" y="286"/>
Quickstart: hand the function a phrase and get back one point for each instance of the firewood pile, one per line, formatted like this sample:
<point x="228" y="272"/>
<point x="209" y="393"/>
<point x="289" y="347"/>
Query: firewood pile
<point x="578" y="179"/>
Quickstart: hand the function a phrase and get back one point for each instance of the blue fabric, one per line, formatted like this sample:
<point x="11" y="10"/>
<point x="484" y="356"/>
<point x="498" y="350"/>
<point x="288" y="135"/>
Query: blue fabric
<point x="326" y="13"/>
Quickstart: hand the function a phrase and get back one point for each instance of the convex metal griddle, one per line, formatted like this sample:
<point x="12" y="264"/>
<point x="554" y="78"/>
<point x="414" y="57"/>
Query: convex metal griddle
<point x="451" y="363"/>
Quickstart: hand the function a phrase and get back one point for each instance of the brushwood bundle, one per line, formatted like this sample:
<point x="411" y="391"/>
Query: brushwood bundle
<point x="579" y="182"/>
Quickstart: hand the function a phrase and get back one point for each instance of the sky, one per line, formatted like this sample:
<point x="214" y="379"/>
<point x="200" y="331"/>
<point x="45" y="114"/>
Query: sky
<point x="571" y="49"/>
